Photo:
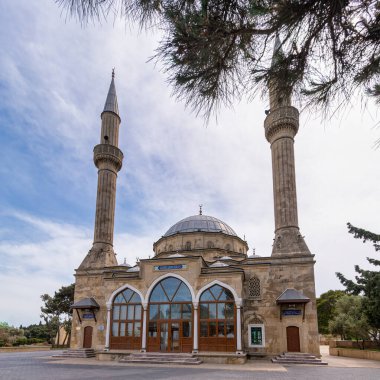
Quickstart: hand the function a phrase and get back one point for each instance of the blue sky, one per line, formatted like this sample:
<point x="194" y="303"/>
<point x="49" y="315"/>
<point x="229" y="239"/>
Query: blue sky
<point x="54" y="77"/>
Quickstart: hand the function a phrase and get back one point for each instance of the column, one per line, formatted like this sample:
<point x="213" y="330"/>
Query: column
<point x="143" y="340"/>
<point x="238" y="329"/>
<point x="108" y="327"/>
<point x="196" y="334"/>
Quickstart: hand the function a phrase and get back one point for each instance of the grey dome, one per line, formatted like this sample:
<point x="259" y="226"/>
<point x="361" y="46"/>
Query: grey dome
<point x="202" y="223"/>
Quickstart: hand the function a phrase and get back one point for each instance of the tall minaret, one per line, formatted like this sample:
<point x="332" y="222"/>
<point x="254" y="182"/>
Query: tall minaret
<point x="281" y="126"/>
<point x="108" y="159"/>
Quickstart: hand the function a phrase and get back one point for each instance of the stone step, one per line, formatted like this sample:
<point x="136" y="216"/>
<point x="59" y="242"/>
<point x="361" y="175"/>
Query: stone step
<point x="77" y="353"/>
<point x="298" y="358"/>
<point x="156" y="361"/>
<point x="164" y="356"/>
<point x="298" y="354"/>
<point x="291" y="361"/>
<point x="161" y="358"/>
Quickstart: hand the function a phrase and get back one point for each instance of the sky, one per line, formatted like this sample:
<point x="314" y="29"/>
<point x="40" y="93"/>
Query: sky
<point x="54" y="78"/>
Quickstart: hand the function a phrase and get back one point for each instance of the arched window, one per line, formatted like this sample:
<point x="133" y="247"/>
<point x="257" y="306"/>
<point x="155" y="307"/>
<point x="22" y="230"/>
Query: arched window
<point x="126" y="321"/>
<point x="210" y="244"/>
<point x="170" y="248"/>
<point x="217" y="320"/>
<point x="170" y="317"/>
<point x="228" y="247"/>
<point x="254" y="288"/>
<point x="188" y="245"/>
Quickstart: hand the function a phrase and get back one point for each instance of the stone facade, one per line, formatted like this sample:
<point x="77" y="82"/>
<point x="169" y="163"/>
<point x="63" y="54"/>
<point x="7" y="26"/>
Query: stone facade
<point x="275" y="275"/>
<point x="203" y="252"/>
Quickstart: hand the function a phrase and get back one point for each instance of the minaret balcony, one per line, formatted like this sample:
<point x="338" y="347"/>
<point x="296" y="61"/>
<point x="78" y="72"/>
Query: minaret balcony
<point x="283" y="120"/>
<point x="108" y="153"/>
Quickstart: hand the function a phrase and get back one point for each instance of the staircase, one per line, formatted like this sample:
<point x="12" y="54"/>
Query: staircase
<point x="297" y="358"/>
<point x="78" y="353"/>
<point x="161" y="358"/>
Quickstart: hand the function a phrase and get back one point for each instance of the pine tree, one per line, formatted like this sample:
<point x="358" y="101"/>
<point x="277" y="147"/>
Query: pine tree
<point x="367" y="282"/>
<point x="216" y="51"/>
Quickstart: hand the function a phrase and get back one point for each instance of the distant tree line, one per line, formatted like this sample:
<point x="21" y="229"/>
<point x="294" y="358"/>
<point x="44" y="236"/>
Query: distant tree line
<point x="32" y="334"/>
<point x="55" y="314"/>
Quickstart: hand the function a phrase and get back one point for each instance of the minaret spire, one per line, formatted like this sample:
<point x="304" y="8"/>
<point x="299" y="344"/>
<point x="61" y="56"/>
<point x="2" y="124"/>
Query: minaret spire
<point x="111" y="101"/>
<point x="281" y="126"/>
<point x="277" y="50"/>
<point x="108" y="159"/>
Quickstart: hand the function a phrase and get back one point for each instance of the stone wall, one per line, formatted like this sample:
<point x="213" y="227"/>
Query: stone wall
<point x="275" y="275"/>
<point x="353" y="353"/>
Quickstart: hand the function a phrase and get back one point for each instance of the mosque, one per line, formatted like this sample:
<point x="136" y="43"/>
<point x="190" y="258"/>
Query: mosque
<point x="201" y="292"/>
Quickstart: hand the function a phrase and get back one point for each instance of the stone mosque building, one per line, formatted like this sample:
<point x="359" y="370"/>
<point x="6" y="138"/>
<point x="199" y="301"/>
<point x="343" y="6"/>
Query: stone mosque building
<point x="201" y="292"/>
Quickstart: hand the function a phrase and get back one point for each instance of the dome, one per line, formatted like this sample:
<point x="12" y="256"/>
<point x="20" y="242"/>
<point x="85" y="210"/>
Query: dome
<point x="218" y="264"/>
<point x="200" y="223"/>
<point x="226" y="258"/>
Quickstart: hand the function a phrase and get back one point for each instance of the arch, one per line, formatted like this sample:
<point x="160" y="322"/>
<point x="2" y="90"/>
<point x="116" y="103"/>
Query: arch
<point x="188" y="245"/>
<point x="126" y="320"/>
<point x="238" y="300"/>
<point x="159" y="279"/>
<point x="219" y="319"/>
<point x="170" y="315"/>
<point x="210" y="244"/>
<point x="117" y="291"/>
<point x="254" y="319"/>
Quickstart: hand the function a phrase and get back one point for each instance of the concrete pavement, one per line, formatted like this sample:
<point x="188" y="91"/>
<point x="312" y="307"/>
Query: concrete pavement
<point x="42" y="366"/>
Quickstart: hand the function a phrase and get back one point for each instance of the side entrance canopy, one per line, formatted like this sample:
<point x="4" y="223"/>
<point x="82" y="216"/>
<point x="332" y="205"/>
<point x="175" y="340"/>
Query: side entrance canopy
<point x="85" y="304"/>
<point x="288" y="299"/>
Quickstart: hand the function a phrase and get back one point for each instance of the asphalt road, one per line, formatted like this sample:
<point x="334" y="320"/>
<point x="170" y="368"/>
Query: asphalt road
<point x="40" y="366"/>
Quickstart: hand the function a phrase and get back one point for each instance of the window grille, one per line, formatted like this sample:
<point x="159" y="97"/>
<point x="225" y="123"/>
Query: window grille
<point x="254" y="288"/>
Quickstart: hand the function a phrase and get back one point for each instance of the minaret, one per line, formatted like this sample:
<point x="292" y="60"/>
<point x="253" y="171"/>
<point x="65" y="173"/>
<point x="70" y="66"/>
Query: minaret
<point x="108" y="159"/>
<point x="281" y="126"/>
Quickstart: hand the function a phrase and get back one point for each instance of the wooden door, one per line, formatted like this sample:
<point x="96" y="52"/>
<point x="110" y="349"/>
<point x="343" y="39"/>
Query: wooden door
<point x="293" y="339"/>
<point x="87" y="338"/>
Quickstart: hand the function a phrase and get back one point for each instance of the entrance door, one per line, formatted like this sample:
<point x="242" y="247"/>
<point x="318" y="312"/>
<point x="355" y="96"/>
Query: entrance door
<point x="170" y="316"/>
<point x="87" y="338"/>
<point x="174" y="337"/>
<point x="293" y="339"/>
<point x="169" y="337"/>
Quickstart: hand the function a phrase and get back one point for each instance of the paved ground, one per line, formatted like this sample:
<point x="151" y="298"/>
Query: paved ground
<point x="41" y="366"/>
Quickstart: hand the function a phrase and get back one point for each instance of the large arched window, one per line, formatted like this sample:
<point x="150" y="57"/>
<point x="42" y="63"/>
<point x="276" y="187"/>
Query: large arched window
<point x="126" y="321"/>
<point x="170" y="317"/>
<point x="217" y="320"/>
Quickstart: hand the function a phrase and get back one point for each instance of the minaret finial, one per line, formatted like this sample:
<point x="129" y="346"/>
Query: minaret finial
<point x="200" y="209"/>
<point x="111" y="101"/>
